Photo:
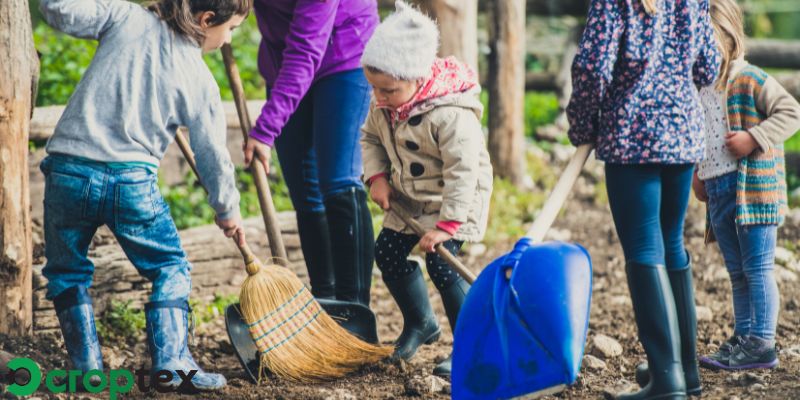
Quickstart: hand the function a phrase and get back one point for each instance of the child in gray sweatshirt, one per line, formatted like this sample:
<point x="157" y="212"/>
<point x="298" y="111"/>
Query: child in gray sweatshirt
<point x="146" y="79"/>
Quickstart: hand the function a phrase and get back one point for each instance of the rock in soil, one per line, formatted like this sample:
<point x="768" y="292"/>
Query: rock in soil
<point x="425" y="385"/>
<point x="606" y="347"/>
<point x="593" y="363"/>
<point x="704" y="313"/>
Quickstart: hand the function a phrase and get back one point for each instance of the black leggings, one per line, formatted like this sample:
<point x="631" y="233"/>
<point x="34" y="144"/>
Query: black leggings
<point x="392" y="248"/>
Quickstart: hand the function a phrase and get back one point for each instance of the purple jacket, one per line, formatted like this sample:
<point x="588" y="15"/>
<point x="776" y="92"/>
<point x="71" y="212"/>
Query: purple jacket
<point x="302" y="41"/>
<point x="634" y="81"/>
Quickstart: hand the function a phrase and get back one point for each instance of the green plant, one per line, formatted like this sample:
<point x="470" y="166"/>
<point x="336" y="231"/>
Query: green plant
<point x="541" y="108"/>
<point x="121" y="322"/>
<point x="63" y="60"/>
<point x="204" y="313"/>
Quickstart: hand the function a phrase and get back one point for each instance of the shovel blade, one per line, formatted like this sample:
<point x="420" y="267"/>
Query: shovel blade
<point x="356" y="318"/>
<point x="525" y="334"/>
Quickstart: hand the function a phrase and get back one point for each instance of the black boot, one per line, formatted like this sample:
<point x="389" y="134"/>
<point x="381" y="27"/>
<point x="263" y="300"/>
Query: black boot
<point x="352" y="244"/>
<point x="656" y="319"/>
<point x="419" y="323"/>
<point x="452" y="298"/>
<point x="683" y="290"/>
<point x="315" y="240"/>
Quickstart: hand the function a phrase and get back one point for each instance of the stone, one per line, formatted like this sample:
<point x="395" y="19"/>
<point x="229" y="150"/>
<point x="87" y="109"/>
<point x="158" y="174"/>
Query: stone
<point x="606" y="347"/>
<point x="783" y="256"/>
<point x="426" y="385"/>
<point x="791" y="352"/>
<point x="704" y="313"/>
<point x="338" y="394"/>
<point x="593" y="363"/>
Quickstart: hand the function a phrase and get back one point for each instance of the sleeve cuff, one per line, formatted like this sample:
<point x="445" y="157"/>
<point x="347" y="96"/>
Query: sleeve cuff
<point x="450" y="227"/>
<point x="760" y="138"/>
<point x="230" y="214"/>
<point x="376" y="176"/>
<point x="266" y="138"/>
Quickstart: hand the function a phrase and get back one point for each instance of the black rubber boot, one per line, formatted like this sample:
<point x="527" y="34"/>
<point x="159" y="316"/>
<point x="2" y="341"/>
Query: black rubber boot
<point x="452" y="298"/>
<point x="656" y="319"/>
<point x="352" y="244"/>
<point x="315" y="240"/>
<point x="681" y="282"/>
<point x="419" y="322"/>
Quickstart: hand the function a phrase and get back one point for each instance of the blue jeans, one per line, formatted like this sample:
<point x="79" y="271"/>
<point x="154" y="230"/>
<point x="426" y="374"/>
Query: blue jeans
<point x="749" y="253"/>
<point x="648" y="203"/>
<point x="319" y="149"/>
<point x="80" y="196"/>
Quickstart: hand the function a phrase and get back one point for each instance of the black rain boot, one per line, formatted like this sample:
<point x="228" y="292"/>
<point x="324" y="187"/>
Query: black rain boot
<point x="419" y="323"/>
<point x="315" y="240"/>
<point x="452" y="298"/>
<point x="352" y="244"/>
<point x="681" y="282"/>
<point x="656" y="319"/>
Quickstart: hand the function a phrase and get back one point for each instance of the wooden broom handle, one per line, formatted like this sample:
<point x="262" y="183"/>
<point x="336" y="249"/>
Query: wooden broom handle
<point x="247" y="253"/>
<point x="419" y="230"/>
<point x="256" y="168"/>
<point x="559" y="194"/>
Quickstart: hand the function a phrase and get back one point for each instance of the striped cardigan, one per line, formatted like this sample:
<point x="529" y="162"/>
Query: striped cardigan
<point x="761" y="177"/>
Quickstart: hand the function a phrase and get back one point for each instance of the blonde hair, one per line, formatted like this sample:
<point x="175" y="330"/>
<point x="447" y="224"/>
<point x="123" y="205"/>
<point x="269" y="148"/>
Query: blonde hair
<point x="650" y="6"/>
<point x="728" y="22"/>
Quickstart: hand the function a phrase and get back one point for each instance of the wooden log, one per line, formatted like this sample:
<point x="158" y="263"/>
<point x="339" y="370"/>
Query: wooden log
<point x="774" y="53"/>
<point x="19" y="68"/>
<point x="217" y="267"/>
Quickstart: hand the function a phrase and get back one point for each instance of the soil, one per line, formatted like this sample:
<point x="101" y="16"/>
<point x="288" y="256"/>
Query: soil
<point x="587" y="223"/>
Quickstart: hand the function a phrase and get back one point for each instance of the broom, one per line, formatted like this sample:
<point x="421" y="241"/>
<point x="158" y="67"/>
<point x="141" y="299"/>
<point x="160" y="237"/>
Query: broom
<point x="296" y="338"/>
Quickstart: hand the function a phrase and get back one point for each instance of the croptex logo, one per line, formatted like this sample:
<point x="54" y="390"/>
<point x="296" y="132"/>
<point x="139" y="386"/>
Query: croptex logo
<point x="25" y="378"/>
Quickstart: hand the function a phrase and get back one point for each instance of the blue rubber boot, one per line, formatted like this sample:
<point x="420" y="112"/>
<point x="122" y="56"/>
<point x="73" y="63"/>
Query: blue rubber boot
<point x="76" y="318"/>
<point x="167" y="338"/>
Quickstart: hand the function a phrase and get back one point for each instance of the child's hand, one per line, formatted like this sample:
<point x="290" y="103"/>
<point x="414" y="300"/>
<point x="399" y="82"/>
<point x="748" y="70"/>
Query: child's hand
<point x="432" y="238"/>
<point x="699" y="188"/>
<point x="380" y="191"/>
<point x="261" y="150"/>
<point x="740" y="143"/>
<point x="232" y="227"/>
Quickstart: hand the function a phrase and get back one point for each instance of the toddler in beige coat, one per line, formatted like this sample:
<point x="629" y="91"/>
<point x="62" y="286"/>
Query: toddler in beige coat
<point x="424" y="149"/>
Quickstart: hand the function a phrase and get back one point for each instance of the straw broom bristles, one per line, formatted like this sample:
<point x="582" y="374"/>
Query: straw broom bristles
<point x="297" y="340"/>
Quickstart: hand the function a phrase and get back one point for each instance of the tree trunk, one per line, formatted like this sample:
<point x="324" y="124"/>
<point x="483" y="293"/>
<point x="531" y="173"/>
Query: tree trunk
<point x="458" y="27"/>
<point x="507" y="89"/>
<point x="19" y="68"/>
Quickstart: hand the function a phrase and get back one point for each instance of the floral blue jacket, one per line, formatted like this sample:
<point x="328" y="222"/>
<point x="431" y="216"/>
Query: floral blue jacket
<point x="635" y="81"/>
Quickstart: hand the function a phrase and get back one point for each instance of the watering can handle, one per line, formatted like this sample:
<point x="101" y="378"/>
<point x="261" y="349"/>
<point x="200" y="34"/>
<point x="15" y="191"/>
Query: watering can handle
<point x="419" y="230"/>
<point x="559" y="194"/>
<point x="259" y="174"/>
<point x="183" y="144"/>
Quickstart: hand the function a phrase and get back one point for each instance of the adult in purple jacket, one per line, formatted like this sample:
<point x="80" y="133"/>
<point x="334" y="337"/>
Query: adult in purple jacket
<point x="318" y="98"/>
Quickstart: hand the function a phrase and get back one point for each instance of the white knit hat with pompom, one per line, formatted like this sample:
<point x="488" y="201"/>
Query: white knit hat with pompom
<point x="404" y="45"/>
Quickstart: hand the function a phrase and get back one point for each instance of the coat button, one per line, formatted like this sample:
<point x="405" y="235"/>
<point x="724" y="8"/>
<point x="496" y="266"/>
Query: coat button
<point x="415" y="120"/>
<point x="412" y="146"/>
<point x="416" y="169"/>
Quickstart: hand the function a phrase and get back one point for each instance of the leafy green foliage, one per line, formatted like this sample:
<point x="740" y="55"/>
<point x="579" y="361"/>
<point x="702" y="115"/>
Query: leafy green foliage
<point x="189" y="206"/>
<point x="63" y="61"/>
<point x="205" y="313"/>
<point x="541" y="108"/>
<point x="121" y="322"/>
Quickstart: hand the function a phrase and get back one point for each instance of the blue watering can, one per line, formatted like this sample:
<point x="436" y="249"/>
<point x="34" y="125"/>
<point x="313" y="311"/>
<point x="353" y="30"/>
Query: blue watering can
<point x="522" y="327"/>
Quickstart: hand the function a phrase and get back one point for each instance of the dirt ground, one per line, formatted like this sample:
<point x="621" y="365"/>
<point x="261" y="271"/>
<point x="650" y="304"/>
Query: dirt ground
<point x="586" y="223"/>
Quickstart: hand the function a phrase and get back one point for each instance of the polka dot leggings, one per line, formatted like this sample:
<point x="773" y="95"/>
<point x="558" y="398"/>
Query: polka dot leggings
<point x="392" y="248"/>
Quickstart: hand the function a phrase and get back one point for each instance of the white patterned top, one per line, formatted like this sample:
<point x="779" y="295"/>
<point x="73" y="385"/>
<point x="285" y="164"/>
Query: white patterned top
<point x="718" y="160"/>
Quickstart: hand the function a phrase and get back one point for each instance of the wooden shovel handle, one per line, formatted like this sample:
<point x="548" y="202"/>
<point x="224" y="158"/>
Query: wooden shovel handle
<point x="559" y="194"/>
<point x="259" y="174"/>
<point x="183" y="144"/>
<point x="419" y="230"/>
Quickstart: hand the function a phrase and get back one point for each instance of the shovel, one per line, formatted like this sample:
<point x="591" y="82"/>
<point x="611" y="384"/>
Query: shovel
<point x="522" y="327"/>
<point x="355" y="317"/>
